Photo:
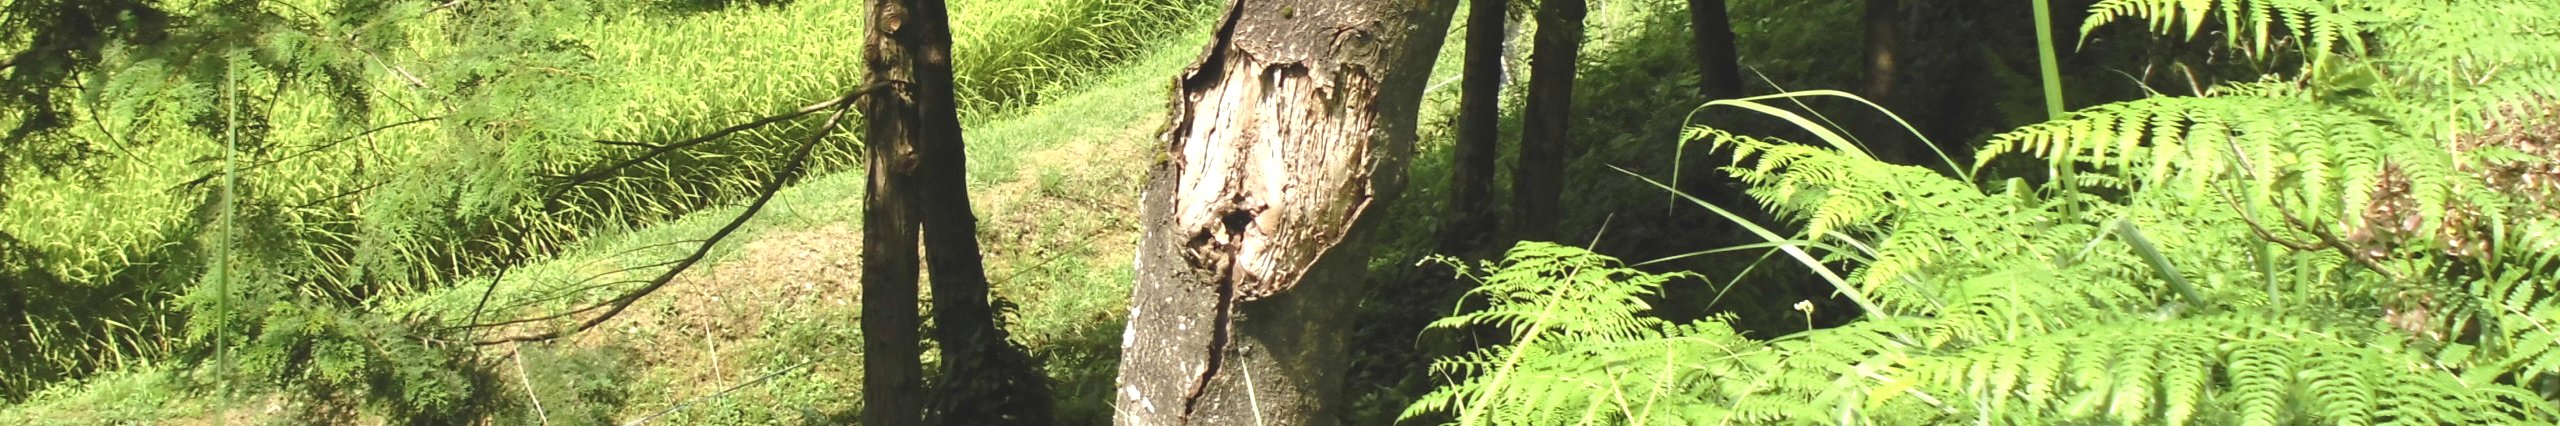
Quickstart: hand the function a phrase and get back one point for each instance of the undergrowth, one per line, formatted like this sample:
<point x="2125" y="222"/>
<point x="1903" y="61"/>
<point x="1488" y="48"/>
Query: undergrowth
<point x="2368" y="238"/>
<point x="393" y="148"/>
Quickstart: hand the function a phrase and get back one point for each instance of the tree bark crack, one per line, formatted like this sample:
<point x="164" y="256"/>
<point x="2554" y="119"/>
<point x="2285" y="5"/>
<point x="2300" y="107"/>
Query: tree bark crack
<point x="1220" y="329"/>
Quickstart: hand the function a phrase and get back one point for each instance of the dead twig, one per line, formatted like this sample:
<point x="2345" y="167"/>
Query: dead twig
<point x="312" y="149"/>
<point x="2327" y="240"/>
<point x="610" y="170"/>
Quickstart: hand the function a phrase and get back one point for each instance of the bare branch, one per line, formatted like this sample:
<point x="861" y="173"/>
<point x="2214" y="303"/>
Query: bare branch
<point x="210" y="176"/>
<point x="789" y="172"/>
<point x="2327" y="240"/>
<point x="628" y="143"/>
<point x="662" y="149"/>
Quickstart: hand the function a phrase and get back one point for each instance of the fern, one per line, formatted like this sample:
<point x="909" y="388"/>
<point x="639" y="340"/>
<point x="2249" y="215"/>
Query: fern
<point x="2372" y="240"/>
<point x="1558" y="302"/>
<point x="2254" y="24"/>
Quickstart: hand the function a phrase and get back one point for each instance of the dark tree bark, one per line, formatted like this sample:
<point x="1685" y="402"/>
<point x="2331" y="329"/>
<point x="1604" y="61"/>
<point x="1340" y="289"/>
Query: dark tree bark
<point x="920" y="176"/>
<point x="892" y="374"/>
<point x="1287" y="135"/>
<point x="1719" y="65"/>
<point x="985" y="379"/>
<point x="1479" y="114"/>
<point x="1538" y="183"/>
<point x="1883" y="22"/>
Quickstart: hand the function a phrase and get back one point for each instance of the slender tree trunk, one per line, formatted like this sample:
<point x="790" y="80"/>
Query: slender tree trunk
<point x="1719" y="66"/>
<point x="985" y="380"/>
<point x="1537" y="185"/>
<point x="1479" y="114"/>
<point x="1883" y="22"/>
<point x="892" y="374"/>
<point x="1289" y="133"/>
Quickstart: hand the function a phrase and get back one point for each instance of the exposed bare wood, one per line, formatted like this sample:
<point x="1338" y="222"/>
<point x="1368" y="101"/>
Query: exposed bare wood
<point x="1293" y="126"/>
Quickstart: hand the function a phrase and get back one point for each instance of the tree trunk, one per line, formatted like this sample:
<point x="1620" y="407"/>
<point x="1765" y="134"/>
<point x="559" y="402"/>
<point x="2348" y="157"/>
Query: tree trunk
<point x="1719" y="66"/>
<point x="985" y="380"/>
<point x="1287" y="135"/>
<point x="920" y="177"/>
<point x="1883" y="22"/>
<point x="892" y="376"/>
<point x="1479" y="115"/>
<point x="1537" y="185"/>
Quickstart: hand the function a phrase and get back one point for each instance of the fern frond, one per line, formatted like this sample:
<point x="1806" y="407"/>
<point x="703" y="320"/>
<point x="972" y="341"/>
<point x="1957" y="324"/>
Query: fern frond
<point x="2252" y="24"/>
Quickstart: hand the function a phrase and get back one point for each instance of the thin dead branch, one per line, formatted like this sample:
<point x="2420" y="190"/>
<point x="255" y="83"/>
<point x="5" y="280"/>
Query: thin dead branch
<point x="790" y="171"/>
<point x="654" y="152"/>
<point x="2327" y="240"/>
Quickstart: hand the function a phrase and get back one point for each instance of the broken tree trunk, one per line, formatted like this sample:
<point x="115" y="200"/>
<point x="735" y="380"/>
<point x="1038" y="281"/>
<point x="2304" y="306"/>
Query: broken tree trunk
<point x="1288" y="136"/>
<point x="1538" y="183"/>
<point x="1479" y="114"/>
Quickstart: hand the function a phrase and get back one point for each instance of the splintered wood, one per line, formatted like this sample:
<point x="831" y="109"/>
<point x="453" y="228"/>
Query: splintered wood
<point x="1275" y="166"/>
<point x="1273" y="139"/>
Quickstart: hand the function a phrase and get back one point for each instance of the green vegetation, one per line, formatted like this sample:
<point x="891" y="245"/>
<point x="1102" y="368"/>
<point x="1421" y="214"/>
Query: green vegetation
<point x="2368" y="239"/>
<point x="2254" y="212"/>
<point x="432" y="154"/>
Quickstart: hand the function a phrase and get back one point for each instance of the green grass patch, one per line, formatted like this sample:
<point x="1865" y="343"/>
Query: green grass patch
<point x="1052" y="183"/>
<point x="339" y="202"/>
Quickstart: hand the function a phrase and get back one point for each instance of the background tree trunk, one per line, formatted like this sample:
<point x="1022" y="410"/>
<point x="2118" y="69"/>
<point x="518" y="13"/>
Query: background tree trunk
<point x="1479" y="117"/>
<point x="1883" y="22"/>
<point x="1287" y="136"/>
<point x="985" y="380"/>
<point x="1539" y="181"/>
<point x="1719" y="65"/>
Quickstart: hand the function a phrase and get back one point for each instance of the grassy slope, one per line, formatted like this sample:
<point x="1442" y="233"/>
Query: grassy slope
<point x="1054" y="186"/>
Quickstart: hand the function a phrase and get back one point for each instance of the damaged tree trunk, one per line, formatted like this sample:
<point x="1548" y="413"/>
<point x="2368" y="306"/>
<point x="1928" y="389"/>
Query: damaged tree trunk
<point x="1538" y="184"/>
<point x="1711" y="42"/>
<point x="919" y="178"/>
<point x="1479" y="114"/>
<point x="1288" y="137"/>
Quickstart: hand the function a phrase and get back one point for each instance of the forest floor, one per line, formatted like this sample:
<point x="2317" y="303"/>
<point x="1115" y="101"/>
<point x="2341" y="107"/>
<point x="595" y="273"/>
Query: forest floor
<point x="763" y="331"/>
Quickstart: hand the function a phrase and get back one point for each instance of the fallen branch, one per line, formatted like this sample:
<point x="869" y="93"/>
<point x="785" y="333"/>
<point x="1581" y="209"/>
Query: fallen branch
<point x="790" y="170"/>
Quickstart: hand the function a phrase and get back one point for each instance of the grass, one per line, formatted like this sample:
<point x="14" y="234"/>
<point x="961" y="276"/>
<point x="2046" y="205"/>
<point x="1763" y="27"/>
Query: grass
<point x="1053" y="186"/>
<point x="521" y="89"/>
